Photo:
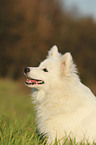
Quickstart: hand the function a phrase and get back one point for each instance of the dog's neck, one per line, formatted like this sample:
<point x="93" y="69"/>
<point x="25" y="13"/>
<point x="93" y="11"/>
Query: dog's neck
<point x="38" y="95"/>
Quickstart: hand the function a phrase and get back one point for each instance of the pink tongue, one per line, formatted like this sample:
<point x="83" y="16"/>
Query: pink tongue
<point x="30" y="81"/>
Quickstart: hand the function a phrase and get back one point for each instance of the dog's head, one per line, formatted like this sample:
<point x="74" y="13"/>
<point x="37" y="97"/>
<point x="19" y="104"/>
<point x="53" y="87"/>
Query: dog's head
<point x="51" y="71"/>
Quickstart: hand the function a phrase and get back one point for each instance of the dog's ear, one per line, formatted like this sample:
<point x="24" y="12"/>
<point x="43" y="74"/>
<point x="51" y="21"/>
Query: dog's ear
<point x="53" y="52"/>
<point x="67" y="65"/>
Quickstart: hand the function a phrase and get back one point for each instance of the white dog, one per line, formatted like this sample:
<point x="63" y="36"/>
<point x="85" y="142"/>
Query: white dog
<point x="64" y="105"/>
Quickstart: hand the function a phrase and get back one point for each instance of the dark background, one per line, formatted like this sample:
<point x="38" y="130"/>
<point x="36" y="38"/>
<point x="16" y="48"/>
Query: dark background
<point x="29" y="28"/>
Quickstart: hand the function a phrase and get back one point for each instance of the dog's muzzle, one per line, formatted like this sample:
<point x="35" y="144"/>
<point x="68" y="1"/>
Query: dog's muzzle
<point x="31" y="81"/>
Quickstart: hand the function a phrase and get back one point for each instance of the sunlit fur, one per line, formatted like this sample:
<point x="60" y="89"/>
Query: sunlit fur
<point x="64" y="105"/>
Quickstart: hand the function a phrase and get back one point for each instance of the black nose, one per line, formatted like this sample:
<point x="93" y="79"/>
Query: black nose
<point x="26" y="69"/>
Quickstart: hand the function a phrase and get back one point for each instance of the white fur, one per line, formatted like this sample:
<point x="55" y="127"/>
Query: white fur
<point x="64" y="105"/>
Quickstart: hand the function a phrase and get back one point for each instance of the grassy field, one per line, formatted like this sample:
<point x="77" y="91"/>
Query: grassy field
<point x="17" y="116"/>
<point x="17" y="123"/>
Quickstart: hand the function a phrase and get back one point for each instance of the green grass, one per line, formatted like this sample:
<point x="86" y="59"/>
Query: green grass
<point x="17" y="116"/>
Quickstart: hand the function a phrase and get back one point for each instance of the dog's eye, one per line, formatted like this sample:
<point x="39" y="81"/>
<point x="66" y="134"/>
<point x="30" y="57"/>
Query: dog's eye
<point x="45" y="70"/>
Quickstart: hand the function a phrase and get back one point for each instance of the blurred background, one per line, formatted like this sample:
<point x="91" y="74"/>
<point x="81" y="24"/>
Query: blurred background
<point x="29" y="28"/>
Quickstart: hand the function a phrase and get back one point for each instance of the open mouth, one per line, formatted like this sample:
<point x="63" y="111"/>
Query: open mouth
<point x="34" y="82"/>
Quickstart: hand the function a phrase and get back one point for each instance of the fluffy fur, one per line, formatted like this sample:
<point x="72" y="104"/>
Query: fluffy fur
<point x="64" y="105"/>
